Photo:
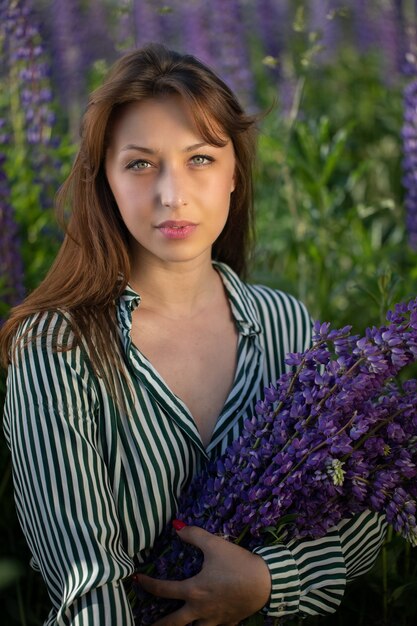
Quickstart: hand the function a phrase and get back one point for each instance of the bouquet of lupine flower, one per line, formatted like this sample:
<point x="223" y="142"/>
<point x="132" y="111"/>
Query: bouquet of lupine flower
<point x="334" y="437"/>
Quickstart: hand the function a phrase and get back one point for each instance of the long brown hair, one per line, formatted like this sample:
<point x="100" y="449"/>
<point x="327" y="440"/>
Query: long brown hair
<point x="92" y="267"/>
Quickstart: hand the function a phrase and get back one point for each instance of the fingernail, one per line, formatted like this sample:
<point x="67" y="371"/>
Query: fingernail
<point x="135" y="578"/>
<point x="178" y="524"/>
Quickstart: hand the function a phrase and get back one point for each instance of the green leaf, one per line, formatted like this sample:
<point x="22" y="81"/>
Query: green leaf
<point x="404" y="592"/>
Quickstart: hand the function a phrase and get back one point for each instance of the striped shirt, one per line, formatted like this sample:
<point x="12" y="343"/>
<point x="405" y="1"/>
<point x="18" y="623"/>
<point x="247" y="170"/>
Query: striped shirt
<point x="94" y="486"/>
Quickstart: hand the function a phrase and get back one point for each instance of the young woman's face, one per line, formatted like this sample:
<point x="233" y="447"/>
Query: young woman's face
<point x="172" y="188"/>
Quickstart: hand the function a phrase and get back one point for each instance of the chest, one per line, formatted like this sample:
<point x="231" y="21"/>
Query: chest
<point x="196" y="359"/>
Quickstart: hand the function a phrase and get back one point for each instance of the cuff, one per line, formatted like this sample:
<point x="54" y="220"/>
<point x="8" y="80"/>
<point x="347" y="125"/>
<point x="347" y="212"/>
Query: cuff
<point x="285" y="581"/>
<point x="308" y="577"/>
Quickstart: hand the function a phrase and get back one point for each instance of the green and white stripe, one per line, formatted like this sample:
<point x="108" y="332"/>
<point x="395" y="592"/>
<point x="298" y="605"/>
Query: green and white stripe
<point x="95" y="486"/>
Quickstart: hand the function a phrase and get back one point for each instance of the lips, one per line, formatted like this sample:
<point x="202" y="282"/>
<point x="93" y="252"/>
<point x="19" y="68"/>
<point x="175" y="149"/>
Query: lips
<point x="175" y="224"/>
<point x="176" y="229"/>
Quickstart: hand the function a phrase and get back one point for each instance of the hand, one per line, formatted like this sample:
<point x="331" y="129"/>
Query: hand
<point x="232" y="585"/>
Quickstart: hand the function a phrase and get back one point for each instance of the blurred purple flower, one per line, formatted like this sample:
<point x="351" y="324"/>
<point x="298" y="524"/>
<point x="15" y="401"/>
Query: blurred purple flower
<point x="324" y="21"/>
<point x="272" y="18"/>
<point x="147" y="23"/>
<point x="230" y="49"/>
<point x="64" y="26"/>
<point x="11" y="265"/>
<point x="409" y="137"/>
<point x="393" y="37"/>
<point x="23" y="51"/>
<point x="365" y="20"/>
<point x="124" y="26"/>
<point x="196" y="37"/>
<point x="97" y="42"/>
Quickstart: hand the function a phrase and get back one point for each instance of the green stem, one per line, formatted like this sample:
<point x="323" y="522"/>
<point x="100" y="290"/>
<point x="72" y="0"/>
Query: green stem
<point x="295" y="106"/>
<point x="242" y="535"/>
<point x="372" y="432"/>
<point x="335" y="386"/>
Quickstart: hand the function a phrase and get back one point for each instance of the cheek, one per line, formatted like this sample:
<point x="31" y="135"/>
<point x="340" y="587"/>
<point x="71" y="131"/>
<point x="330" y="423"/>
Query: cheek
<point x="129" y="198"/>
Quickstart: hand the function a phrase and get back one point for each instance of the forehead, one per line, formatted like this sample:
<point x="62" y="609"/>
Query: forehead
<point x="162" y="117"/>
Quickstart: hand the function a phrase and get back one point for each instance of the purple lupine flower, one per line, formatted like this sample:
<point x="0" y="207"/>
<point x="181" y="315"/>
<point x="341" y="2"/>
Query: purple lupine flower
<point x="322" y="20"/>
<point x="156" y="21"/>
<point x="78" y="34"/>
<point x="271" y="19"/>
<point x="393" y="36"/>
<point x="229" y="47"/>
<point x="11" y="265"/>
<point x="68" y="63"/>
<point x="31" y="120"/>
<point x="25" y="60"/>
<point x="409" y="137"/>
<point x="196" y="37"/>
<point x="146" y="21"/>
<point x="384" y="28"/>
<point x="96" y="40"/>
<point x="409" y="131"/>
<point x="124" y="29"/>
<point x="171" y="25"/>
<point x="307" y="460"/>
<point x="364" y="22"/>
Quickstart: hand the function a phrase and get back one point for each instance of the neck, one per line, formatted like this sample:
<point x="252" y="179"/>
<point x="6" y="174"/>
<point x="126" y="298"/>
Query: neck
<point x="176" y="290"/>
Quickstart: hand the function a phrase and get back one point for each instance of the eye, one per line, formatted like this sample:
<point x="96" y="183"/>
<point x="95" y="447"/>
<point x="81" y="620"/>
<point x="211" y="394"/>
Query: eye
<point x="201" y="159"/>
<point x="138" y="164"/>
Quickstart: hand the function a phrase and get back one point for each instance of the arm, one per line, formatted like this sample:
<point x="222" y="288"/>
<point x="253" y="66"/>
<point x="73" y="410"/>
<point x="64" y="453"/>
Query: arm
<point x="309" y="577"/>
<point x="63" y="495"/>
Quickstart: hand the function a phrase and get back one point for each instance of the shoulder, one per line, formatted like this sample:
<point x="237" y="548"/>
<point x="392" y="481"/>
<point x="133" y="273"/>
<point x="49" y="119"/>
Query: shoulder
<point x="48" y="338"/>
<point x="45" y="330"/>
<point x="49" y="367"/>
<point x="283" y="316"/>
<point x="263" y="296"/>
<point x="270" y="300"/>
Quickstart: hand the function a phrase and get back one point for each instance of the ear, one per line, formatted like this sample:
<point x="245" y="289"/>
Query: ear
<point x="233" y="187"/>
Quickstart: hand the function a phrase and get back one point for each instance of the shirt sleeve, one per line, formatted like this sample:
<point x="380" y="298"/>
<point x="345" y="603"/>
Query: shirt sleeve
<point x="309" y="577"/>
<point x="63" y="494"/>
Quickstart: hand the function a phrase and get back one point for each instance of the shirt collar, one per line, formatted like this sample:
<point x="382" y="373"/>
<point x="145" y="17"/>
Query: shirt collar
<point x="240" y="298"/>
<point x="129" y="299"/>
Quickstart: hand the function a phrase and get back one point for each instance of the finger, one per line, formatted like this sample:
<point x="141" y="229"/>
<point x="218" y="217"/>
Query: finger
<point x="173" y="589"/>
<point x="182" y="617"/>
<point x="196" y="536"/>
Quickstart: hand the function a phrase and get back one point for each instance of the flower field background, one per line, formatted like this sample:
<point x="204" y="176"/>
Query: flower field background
<point x="336" y="180"/>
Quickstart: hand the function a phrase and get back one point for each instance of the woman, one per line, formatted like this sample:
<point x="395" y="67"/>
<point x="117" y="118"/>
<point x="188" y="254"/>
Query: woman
<point x="142" y="352"/>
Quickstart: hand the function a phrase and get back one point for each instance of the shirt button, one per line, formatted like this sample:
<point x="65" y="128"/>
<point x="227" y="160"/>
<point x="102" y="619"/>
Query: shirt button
<point x="282" y="607"/>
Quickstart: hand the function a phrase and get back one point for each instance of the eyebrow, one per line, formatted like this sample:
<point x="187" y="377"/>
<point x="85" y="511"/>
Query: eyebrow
<point x="132" y="146"/>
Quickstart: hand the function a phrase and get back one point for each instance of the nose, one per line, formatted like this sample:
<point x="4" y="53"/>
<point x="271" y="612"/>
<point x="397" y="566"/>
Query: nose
<point x="171" y="189"/>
